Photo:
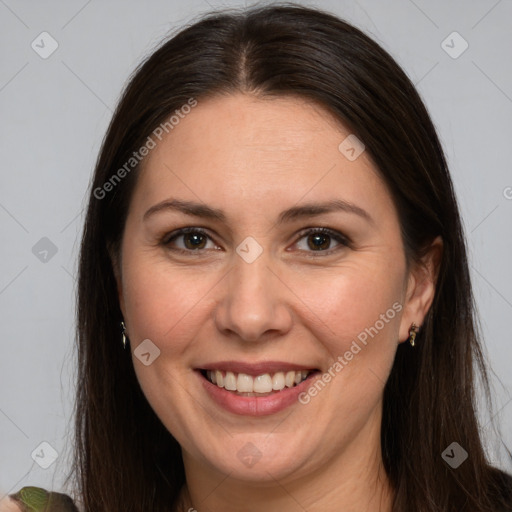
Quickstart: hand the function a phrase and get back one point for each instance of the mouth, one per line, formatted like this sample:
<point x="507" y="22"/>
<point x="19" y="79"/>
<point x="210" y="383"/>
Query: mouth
<point x="264" y="384"/>
<point x="255" y="388"/>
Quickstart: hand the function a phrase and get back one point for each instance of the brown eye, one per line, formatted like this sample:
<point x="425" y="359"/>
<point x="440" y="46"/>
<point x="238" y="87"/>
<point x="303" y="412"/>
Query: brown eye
<point x="188" y="240"/>
<point x="194" y="240"/>
<point x="321" y="240"/>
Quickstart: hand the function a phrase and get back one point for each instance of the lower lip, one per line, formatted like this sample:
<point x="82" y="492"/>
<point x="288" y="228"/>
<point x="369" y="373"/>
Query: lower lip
<point x="255" y="405"/>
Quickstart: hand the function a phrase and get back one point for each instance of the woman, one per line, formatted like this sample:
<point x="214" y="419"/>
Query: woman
<point x="273" y="237"/>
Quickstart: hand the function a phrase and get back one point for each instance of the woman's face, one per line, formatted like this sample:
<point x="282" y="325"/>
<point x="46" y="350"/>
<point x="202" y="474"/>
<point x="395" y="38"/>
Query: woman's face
<point x="254" y="288"/>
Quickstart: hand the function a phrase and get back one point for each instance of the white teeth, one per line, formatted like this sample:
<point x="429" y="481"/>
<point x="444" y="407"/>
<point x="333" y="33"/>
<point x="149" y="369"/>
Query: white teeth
<point x="244" y="383"/>
<point x="265" y="383"/>
<point x="278" y="381"/>
<point x="230" y="381"/>
<point x="289" y="379"/>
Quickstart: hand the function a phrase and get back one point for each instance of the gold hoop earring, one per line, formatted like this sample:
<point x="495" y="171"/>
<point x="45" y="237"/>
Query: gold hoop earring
<point x="123" y="334"/>
<point x="412" y="333"/>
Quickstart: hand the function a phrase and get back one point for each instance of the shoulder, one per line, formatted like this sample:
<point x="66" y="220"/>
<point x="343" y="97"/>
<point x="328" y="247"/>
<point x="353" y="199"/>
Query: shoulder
<point x="35" y="499"/>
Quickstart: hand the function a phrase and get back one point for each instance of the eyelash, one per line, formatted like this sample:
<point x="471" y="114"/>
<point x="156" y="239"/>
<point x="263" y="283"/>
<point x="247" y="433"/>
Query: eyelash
<point x="338" y="237"/>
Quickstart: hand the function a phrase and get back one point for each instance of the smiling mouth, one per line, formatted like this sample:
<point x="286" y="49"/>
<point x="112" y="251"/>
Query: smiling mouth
<point x="266" y="384"/>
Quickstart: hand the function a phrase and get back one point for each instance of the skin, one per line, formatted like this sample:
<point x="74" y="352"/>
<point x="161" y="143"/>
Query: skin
<point x="253" y="158"/>
<point x="7" y="504"/>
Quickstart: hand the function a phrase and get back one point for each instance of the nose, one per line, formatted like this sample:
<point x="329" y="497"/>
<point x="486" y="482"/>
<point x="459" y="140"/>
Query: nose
<point x="253" y="305"/>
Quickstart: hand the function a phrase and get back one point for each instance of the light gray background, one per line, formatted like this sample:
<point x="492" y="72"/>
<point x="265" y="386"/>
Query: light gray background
<point x="54" y="113"/>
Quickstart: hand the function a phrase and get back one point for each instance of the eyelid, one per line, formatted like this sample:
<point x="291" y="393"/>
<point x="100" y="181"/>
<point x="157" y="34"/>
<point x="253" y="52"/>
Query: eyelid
<point x="169" y="237"/>
<point x="342" y="239"/>
<point x="327" y="231"/>
<point x="183" y="231"/>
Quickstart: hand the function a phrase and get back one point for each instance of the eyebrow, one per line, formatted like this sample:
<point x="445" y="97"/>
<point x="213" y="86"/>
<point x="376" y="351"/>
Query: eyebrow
<point x="295" y="212"/>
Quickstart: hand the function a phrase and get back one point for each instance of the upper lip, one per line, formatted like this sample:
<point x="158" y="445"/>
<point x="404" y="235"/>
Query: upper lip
<point x="254" y="369"/>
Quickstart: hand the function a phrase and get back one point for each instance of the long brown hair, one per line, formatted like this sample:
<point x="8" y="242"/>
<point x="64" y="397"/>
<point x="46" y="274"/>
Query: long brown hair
<point x="126" y="460"/>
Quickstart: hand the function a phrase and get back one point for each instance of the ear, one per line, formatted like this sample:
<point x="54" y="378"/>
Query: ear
<point x="421" y="288"/>
<point x="115" y="260"/>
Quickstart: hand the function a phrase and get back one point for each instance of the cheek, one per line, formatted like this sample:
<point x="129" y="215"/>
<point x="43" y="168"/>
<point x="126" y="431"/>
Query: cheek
<point x="358" y="310"/>
<point x="167" y="306"/>
<point x="355" y="301"/>
<point x="162" y="303"/>
<point x="341" y="304"/>
<point x="360" y="307"/>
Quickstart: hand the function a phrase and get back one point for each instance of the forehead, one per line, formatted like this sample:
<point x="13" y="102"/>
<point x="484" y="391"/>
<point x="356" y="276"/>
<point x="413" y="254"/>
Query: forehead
<point x="240" y="148"/>
<point x="242" y="123"/>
